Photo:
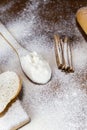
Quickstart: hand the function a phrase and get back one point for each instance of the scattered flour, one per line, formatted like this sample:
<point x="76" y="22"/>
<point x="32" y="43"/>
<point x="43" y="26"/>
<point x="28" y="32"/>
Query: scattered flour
<point x="6" y="7"/>
<point x="79" y="55"/>
<point x="62" y="103"/>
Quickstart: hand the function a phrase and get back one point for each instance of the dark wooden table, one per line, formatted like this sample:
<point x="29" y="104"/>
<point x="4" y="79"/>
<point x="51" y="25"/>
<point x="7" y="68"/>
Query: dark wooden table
<point x="54" y="16"/>
<point x="52" y="12"/>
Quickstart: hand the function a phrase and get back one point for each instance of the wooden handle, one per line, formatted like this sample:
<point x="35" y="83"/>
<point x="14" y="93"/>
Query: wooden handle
<point x="81" y="17"/>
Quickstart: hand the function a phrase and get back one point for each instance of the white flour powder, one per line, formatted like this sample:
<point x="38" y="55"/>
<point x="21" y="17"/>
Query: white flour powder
<point x="62" y="103"/>
<point x="36" y="68"/>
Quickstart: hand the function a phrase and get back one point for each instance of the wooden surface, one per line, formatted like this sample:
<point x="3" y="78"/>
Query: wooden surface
<point x="55" y="11"/>
<point x="56" y="16"/>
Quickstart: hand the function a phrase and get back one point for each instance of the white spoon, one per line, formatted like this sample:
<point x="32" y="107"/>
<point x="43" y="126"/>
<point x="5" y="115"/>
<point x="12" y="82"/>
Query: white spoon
<point x="33" y="65"/>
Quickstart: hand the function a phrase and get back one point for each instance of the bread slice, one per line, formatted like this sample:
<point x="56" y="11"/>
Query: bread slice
<point x="14" y="117"/>
<point x="10" y="86"/>
<point x="81" y="16"/>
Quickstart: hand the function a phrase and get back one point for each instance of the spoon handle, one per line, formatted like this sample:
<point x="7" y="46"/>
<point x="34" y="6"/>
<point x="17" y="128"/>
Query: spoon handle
<point x="9" y="38"/>
<point x="1" y="35"/>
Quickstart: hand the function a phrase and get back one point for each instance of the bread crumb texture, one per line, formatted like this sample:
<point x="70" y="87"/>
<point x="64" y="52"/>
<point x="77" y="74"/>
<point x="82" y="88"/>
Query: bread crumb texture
<point x="9" y="87"/>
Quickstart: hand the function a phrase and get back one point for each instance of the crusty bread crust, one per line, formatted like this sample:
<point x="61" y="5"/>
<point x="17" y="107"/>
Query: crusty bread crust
<point x="21" y="124"/>
<point x="14" y="97"/>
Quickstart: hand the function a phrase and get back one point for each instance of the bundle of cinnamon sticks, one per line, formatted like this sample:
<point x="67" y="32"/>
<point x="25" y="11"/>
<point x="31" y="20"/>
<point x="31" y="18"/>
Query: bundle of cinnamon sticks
<point x="63" y="53"/>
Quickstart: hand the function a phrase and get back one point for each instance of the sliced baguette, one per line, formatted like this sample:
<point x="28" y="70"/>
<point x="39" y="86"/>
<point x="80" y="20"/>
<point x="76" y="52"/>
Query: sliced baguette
<point x="10" y="86"/>
<point x="81" y="17"/>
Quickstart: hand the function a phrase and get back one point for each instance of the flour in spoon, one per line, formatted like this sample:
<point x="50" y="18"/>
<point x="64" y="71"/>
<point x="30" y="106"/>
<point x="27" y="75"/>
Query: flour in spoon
<point x="36" y="68"/>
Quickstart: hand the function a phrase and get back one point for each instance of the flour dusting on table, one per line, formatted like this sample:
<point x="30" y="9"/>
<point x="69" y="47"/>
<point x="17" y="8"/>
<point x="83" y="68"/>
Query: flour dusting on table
<point x="62" y="103"/>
